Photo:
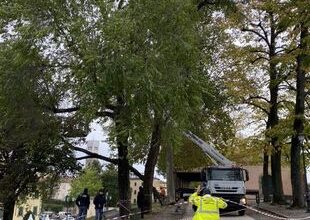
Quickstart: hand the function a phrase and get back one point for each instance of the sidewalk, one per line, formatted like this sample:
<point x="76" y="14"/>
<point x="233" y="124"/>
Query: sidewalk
<point x="171" y="212"/>
<point x="284" y="210"/>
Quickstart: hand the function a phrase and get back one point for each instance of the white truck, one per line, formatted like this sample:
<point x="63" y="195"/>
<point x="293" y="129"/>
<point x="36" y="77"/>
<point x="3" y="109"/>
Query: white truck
<point x="224" y="179"/>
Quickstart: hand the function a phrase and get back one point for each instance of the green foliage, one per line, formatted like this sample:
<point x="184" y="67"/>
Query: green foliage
<point x="90" y="179"/>
<point x="109" y="178"/>
<point x="30" y="143"/>
<point x="53" y="205"/>
<point x="95" y="165"/>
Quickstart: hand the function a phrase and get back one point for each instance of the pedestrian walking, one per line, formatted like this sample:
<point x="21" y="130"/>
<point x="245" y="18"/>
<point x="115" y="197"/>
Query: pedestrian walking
<point x="83" y="202"/>
<point x="141" y="201"/>
<point x="99" y="202"/>
<point x="207" y="206"/>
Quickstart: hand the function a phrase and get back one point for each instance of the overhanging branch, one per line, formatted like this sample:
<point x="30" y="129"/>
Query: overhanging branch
<point x="258" y="34"/>
<point x="95" y="155"/>
<point x="65" y="110"/>
<point x="98" y="156"/>
<point x="259" y="97"/>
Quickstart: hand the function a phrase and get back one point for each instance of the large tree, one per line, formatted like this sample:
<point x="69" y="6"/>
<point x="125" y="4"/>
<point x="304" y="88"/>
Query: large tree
<point x="262" y="46"/>
<point x="32" y="150"/>
<point x="299" y="21"/>
<point x="139" y="73"/>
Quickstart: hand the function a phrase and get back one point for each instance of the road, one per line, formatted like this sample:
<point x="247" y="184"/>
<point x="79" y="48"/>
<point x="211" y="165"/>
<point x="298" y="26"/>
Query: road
<point x="188" y="214"/>
<point x="237" y="217"/>
<point x="184" y="213"/>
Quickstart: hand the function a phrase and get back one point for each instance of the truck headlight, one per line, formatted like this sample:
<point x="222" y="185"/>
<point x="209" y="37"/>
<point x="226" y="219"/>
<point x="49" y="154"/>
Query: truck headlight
<point x="243" y="201"/>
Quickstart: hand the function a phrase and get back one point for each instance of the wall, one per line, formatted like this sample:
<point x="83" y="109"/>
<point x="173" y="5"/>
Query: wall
<point x="256" y="172"/>
<point x="31" y="204"/>
<point x="135" y="183"/>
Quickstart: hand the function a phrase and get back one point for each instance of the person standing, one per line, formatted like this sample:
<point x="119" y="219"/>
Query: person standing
<point x="207" y="206"/>
<point x="83" y="202"/>
<point x="99" y="202"/>
<point x="162" y="195"/>
<point x="140" y="201"/>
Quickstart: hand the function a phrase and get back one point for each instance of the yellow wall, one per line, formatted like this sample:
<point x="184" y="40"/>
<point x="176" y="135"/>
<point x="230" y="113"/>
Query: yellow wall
<point x="135" y="183"/>
<point x="31" y="204"/>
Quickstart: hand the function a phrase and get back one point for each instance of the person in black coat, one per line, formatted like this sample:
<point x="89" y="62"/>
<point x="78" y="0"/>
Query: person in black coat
<point x="141" y="200"/>
<point x="99" y="202"/>
<point x="83" y="202"/>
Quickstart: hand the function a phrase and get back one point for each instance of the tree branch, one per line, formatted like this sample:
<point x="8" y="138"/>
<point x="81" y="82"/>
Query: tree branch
<point x="257" y="106"/>
<point x="204" y="3"/>
<point x="259" y="51"/>
<point x="259" y="97"/>
<point x="260" y="58"/>
<point x="258" y="34"/>
<point x="264" y="31"/>
<point x="105" y="113"/>
<point x="95" y="155"/>
<point x="98" y="156"/>
<point x="65" y="110"/>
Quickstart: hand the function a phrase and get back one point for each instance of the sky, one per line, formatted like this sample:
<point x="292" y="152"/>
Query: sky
<point x="98" y="134"/>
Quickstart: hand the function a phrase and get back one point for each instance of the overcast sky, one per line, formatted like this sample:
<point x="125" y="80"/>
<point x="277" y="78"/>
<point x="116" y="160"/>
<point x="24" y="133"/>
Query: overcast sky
<point x="98" y="134"/>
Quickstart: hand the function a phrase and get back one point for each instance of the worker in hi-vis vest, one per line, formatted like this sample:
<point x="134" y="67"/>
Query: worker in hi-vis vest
<point x="207" y="205"/>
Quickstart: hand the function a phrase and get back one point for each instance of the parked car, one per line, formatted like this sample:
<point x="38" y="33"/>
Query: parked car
<point x="66" y="216"/>
<point x="44" y="215"/>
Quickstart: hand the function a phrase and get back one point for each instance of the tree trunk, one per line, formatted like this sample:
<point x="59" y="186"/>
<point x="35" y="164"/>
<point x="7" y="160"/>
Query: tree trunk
<point x="296" y="173"/>
<point x="8" y="210"/>
<point x="273" y="118"/>
<point x="296" y="146"/>
<point x="123" y="163"/>
<point x="123" y="179"/>
<point x="150" y="165"/>
<point x="276" y="176"/>
<point x="265" y="182"/>
<point x="170" y="175"/>
<point x="276" y="152"/>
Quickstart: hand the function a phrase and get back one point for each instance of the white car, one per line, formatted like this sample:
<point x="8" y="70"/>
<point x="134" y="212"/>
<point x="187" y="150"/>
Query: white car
<point x="46" y="215"/>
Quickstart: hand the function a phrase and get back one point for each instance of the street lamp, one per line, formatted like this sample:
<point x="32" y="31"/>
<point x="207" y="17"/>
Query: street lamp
<point x="301" y="139"/>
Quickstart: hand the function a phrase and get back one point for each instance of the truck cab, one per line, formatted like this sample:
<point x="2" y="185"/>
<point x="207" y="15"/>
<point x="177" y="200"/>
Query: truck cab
<point x="227" y="183"/>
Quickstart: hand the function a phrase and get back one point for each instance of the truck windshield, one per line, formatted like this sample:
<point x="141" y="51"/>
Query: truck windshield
<point x="225" y="174"/>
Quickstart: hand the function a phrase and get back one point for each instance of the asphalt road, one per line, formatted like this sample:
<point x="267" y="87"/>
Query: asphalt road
<point x="237" y="217"/>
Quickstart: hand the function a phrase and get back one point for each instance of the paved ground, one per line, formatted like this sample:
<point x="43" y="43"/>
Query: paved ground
<point x="185" y="212"/>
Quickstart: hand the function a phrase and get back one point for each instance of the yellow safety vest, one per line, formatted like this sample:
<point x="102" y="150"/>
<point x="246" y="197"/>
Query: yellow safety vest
<point x="207" y="206"/>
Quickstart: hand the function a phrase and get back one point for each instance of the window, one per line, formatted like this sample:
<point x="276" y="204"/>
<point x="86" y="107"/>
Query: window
<point x="35" y="210"/>
<point x="135" y="183"/>
<point x="225" y="174"/>
<point x="135" y="192"/>
<point x="134" y="201"/>
<point x="20" y="211"/>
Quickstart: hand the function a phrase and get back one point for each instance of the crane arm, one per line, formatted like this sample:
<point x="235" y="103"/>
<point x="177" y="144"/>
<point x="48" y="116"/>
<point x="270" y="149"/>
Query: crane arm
<point x="209" y="150"/>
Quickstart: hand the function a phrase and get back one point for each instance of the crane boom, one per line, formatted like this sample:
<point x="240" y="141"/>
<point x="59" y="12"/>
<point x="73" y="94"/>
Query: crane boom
<point x="208" y="149"/>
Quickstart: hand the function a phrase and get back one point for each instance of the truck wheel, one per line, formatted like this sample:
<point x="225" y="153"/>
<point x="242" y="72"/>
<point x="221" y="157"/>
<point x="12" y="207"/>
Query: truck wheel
<point x="241" y="213"/>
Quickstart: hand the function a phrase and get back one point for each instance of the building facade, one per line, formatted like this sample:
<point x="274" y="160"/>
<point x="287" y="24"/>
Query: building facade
<point x="256" y="174"/>
<point x="92" y="146"/>
<point x="62" y="189"/>
<point x="135" y="183"/>
<point x="31" y="204"/>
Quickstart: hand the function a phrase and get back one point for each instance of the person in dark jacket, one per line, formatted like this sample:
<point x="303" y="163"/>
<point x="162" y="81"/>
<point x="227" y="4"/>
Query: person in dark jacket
<point x="99" y="202"/>
<point x="83" y="202"/>
<point x="140" y="200"/>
